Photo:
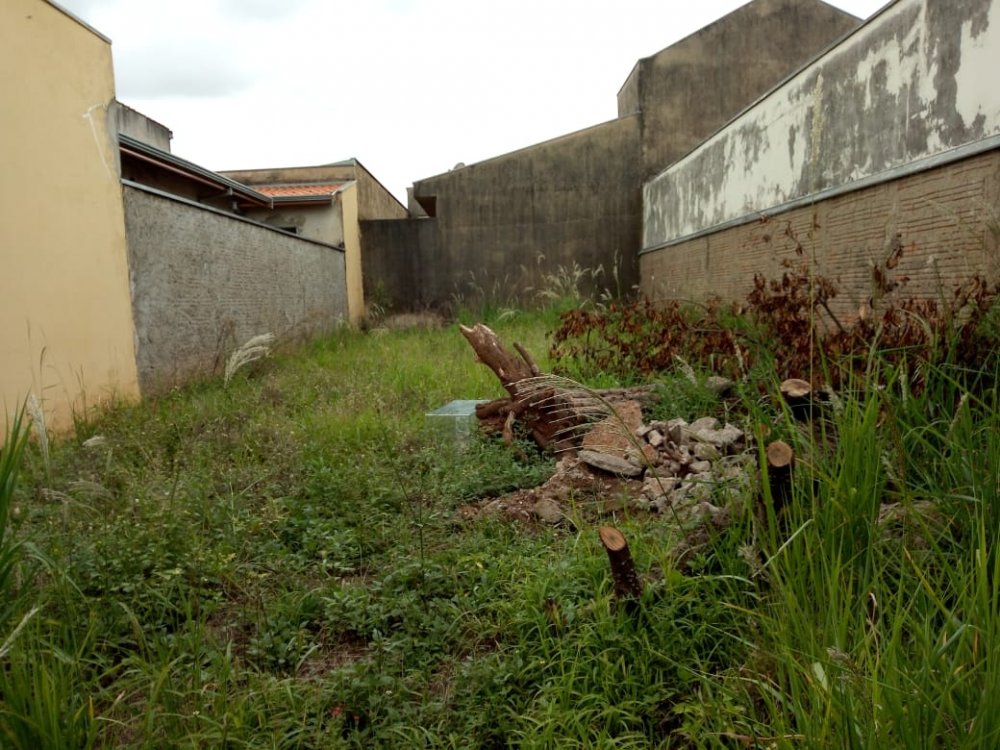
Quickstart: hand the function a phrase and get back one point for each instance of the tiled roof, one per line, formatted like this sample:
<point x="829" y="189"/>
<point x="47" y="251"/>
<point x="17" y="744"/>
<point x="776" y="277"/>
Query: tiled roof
<point x="298" y="190"/>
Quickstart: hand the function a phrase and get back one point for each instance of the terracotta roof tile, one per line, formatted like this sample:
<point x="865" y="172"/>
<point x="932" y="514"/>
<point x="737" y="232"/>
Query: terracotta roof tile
<point x="298" y="190"/>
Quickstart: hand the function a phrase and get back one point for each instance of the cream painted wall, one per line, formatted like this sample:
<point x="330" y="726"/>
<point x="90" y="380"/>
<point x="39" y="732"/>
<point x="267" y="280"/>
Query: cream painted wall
<point x="67" y="333"/>
<point x="323" y="222"/>
<point x="352" y="245"/>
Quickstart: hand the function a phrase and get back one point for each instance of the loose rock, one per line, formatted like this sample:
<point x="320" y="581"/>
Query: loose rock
<point x="548" y="511"/>
<point x="610" y="464"/>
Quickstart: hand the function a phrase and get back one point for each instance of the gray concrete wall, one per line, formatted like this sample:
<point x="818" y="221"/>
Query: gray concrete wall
<point x="203" y="282"/>
<point x="915" y="82"/>
<point x="137" y="125"/>
<point x="403" y="269"/>
<point x="691" y="89"/>
<point x="628" y="94"/>
<point x="374" y="200"/>
<point x="502" y="224"/>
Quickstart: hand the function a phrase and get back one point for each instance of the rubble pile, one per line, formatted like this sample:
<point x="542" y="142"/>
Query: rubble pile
<point x="692" y="473"/>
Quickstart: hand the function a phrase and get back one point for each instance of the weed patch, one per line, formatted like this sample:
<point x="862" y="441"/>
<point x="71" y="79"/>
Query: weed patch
<point x="284" y="562"/>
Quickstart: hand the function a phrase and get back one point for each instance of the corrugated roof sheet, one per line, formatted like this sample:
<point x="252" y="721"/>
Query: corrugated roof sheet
<point x="298" y="190"/>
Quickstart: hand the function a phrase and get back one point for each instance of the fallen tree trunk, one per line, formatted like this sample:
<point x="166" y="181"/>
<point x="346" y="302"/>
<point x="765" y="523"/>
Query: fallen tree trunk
<point x="508" y="368"/>
<point x="548" y="411"/>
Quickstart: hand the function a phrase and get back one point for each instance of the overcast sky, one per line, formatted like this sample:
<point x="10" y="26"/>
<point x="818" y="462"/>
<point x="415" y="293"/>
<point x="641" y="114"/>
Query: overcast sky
<point x="409" y="87"/>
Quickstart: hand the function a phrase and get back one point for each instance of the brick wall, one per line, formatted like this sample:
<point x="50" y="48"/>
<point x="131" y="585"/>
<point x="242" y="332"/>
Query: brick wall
<point x="203" y="282"/>
<point x="947" y="218"/>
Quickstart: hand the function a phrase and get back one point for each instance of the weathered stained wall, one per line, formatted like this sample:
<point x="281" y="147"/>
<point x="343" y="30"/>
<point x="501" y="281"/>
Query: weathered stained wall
<point x="947" y="220"/>
<point x="67" y="331"/>
<point x="505" y="224"/>
<point x="374" y="201"/>
<point x="502" y="223"/>
<point x="403" y="269"/>
<point x="364" y="198"/>
<point x="203" y="282"/>
<point x="692" y="88"/>
<point x="914" y="82"/>
<point x="137" y="125"/>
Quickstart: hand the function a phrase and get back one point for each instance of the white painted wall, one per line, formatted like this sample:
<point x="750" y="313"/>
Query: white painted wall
<point x="917" y="80"/>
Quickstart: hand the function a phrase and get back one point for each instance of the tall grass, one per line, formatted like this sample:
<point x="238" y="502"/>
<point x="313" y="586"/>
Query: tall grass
<point x="11" y="547"/>
<point x="881" y="599"/>
<point x="285" y="562"/>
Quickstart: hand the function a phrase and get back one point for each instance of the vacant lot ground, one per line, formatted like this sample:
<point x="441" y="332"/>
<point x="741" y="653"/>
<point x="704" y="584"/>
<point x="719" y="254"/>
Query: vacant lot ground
<point x="282" y="563"/>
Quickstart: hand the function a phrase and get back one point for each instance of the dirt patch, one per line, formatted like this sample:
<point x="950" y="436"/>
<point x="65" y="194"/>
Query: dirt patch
<point x="573" y="488"/>
<point x="347" y="650"/>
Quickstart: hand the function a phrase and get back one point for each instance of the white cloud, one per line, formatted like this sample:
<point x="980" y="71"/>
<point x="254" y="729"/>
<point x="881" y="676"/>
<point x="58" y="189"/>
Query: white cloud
<point x="262" y="10"/>
<point x="410" y="88"/>
<point x="164" y="70"/>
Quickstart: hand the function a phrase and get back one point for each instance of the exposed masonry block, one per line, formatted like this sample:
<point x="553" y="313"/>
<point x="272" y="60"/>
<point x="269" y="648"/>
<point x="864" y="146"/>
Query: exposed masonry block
<point x="947" y="219"/>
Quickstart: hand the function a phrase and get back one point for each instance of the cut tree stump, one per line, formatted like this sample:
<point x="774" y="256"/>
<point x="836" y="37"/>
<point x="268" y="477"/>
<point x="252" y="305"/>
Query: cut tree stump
<point x="780" y="460"/>
<point x="628" y="586"/>
<point x="799" y="396"/>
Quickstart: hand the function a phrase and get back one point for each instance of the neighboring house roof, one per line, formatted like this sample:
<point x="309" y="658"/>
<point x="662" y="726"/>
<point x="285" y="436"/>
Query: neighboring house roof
<point x="303" y="194"/>
<point x="244" y="196"/>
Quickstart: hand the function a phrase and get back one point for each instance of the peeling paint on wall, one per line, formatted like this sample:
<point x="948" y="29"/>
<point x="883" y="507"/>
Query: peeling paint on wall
<point x="913" y="82"/>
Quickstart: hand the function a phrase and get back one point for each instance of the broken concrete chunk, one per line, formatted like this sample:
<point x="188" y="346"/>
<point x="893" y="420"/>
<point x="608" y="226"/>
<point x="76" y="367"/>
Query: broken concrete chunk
<point x="727" y="437"/>
<point x="705" y="423"/>
<point x="705" y="452"/>
<point x="548" y="511"/>
<point x="660" y="504"/>
<point x="655" y="438"/>
<point x="674" y="430"/>
<point x="613" y="435"/>
<point x="700" y="512"/>
<point x="645" y="458"/>
<point x="700" y="467"/>
<point x="610" y="464"/>
<point x="723" y="439"/>
<point x="671" y="468"/>
<point x="659" y="486"/>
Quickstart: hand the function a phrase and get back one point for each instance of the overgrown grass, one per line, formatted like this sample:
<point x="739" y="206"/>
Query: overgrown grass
<point x="281" y="563"/>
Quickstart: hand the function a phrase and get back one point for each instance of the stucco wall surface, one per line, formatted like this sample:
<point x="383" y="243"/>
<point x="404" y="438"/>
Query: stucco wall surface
<point x="142" y="128"/>
<point x="915" y="81"/>
<point x="321" y="222"/>
<point x="67" y="331"/>
<point x="374" y="200"/>
<point x="403" y="270"/>
<point x="204" y="282"/>
<point x="689" y="90"/>
<point x="503" y="224"/>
